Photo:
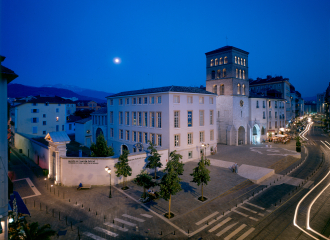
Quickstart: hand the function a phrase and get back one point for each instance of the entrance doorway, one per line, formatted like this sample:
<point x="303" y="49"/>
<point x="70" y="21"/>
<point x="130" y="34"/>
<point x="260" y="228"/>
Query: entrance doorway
<point x="241" y="135"/>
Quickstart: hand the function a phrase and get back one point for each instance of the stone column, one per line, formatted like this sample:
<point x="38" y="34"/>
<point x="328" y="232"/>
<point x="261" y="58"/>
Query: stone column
<point x="57" y="165"/>
<point x="50" y="163"/>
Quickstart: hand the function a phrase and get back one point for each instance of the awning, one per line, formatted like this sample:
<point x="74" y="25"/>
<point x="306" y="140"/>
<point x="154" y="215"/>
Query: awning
<point x="20" y="205"/>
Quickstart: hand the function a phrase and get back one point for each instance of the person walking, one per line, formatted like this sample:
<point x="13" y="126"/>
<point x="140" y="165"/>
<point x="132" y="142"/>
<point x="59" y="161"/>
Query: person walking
<point x="236" y="168"/>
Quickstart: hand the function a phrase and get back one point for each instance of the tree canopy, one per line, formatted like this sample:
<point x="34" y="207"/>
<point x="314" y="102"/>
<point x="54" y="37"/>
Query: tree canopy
<point x="201" y="175"/>
<point x="144" y="180"/>
<point x="122" y="167"/>
<point x="101" y="149"/>
<point x="174" y="163"/>
<point x="154" y="159"/>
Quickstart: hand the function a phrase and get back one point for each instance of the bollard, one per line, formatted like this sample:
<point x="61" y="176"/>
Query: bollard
<point x="223" y="213"/>
<point x="274" y="181"/>
<point x="113" y="221"/>
<point x="207" y="223"/>
<point x="104" y="219"/>
<point x="296" y="188"/>
<point x="136" y="228"/>
<point x="236" y="204"/>
<point x="174" y="233"/>
<point x="275" y="204"/>
<point x="96" y="213"/>
<point x="161" y="232"/>
<point x="69" y="199"/>
<point x="252" y="194"/>
<point x="277" y="179"/>
<point x="89" y="209"/>
<point x="280" y="200"/>
<point x="270" y="184"/>
<point x="71" y="225"/>
<point x="188" y="231"/>
<point x="66" y="221"/>
<point x="76" y="203"/>
<point x="82" y="205"/>
<point x="78" y="231"/>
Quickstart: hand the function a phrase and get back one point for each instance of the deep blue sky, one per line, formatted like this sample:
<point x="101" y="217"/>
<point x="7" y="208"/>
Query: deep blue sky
<point x="162" y="42"/>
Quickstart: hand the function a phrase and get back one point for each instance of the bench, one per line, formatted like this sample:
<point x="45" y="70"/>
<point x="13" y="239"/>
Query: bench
<point x="84" y="186"/>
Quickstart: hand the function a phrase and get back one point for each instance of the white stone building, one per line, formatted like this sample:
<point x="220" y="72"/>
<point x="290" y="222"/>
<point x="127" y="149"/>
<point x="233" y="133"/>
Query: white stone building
<point x="173" y="118"/>
<point x="83" y="131"/>
<point x="100" y="123"/>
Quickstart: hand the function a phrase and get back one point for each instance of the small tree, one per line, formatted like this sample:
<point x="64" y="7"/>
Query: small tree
<point x="31" y="231"/>
<point x="153" y="160"/>
<point x="101" y="149"/>
<point x="144" y="180"/>
<point x="201" y="175"/>
<point x="123" y="168"/>
<point x="170" y="183"/>
<point x="298" y="144"/>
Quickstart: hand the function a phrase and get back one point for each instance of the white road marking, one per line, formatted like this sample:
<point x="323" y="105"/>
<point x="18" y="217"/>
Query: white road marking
<point x="134" y="218"/>
<point x="220" y="224"/>
<point x="248" y="209"/>
<point x="146" y="215"/>
<point x="115" y="226"/>
<point x="91" y="235"/>
<point x="125" y="222"/>
<point x="207" y="218"/>
<point x="235" y="232"/>
<point x="225" y="229"/>
<point x="260" y="214"/>
<point x="255" y="206"/>
<point x="269" y="210"/>
<point x="240" y="213"/>
<point x="33" y="188"/>
<point x="106" y="232"/>
<point x="255" y="219"/>
<point x="247" y="233"/>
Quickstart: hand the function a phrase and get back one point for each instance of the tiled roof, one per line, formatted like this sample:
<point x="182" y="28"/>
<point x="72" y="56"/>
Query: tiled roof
<point x="100" y="111"/>
<point x="57" y="137"/>
<point x="84" y="120"/>
<point x="163" y="89"/>
<point x="259" y="95"/>
<point x="268" y="80"/>
<point x="226" y="48"/>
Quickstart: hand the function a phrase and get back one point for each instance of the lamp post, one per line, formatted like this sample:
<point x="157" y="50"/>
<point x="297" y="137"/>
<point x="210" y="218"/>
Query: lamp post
<point x="205" y="145"/>
<point x="107" y="169"/>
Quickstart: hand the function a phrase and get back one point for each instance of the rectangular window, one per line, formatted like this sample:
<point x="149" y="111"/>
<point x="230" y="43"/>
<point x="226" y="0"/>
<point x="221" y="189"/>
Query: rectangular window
<point x="111" y="101"/>
<point x="44" y="132"/>
<point x="62" y="127"/>
<point x="177" y="140"/>
<point x="145" y="137"/>
<point x="275" y="124"/>
<point x="152" y="119"/>
<point x="257" y="104"/>
<point x="57" y="128"/>
<point x="34" y="110"/>
<point x="121" y="134"/>
<point x="120" y="101"/>
<point x="201" y="117"/>
<point x="190" y="119"/>
<point x="201" y="100"/>
<point x="264" y="115"/>
<point x="127" y="135"/>
<point x="134" y="136"/>
<point x="275" y="115"/>
<point x="34" y="130"/>
<point x="134" y="118"/>
<point x="190" y="154"/>
<point x="43" y="115"/>
<point x="145" y="119"/>
<point x="153" y="138"/>
<point x="140" y="118"/>
<point x="275" y="104"/>
<point x="140" y="137"/>
<point x="134" y="100"/>
<point x="159" y="99"/>
<point x="127" y="118"/>
<point x="152" y="100"/>
<point x="159" y="119"/>
<point x="111" y="117"/>
<point x="46" y="104"/>
<point x="190" y="99"/>
<point x="263" y="104"/>
<point x="127" y="101"/>
<point x="270" y="103"/>
<point x="270" y="114"/>
<point x="211" y="135"/>
<point x="176" y="99"/>
<point x="211" y="117"/>
<point x="34" y="120"/>
<point x="111" y="132"/>
<point x="44" y="123"/>
<point x="176" y="119"/>
<point x="57" y="110"/>
<point x="120" y="117"/>
<point x="140" y="100"/>
<point x="190" y="138"/>
<point x="211" y="100"/>
<point x="270" y="125"/>
<point x="159" y="140"/>
<point x="201" y="136"/>
<point x="145" y="100"/>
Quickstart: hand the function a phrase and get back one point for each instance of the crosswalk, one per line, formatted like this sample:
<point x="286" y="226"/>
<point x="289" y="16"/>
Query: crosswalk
<point x="117" y="224"/>
<point x="310" y="143"/>
<point x="230" y="225"/>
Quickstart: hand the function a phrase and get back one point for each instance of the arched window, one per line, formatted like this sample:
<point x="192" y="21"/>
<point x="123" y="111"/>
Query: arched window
<point x="244" y="62"/>
<point x="262" y="131"/>
<point x="220" y="62"/>
<point x="236" y="73"/>
<point x="240" y="74"/>
<point x="235" y="59"/>
<point x="215" y="89"/>
<point x="213" y="74"/>
<point x="243" y="74"/>
<point x="216" y="62"/>
<point x="238" y="88"/>
<point x="241" y="61"/>
<point x="224" y="73"/>
<point x="243" y="89"/>
<point x="219" y="73"/>
<point x="211" y="63"/>
<point x="225" y="61"/>
<point x="238" y="60"/>
<point x="222" y="89"/>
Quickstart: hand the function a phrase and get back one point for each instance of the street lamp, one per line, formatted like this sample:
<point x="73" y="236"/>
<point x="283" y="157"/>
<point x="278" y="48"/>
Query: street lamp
<point x="205" y="145"/>
<point x="108" y="170"/>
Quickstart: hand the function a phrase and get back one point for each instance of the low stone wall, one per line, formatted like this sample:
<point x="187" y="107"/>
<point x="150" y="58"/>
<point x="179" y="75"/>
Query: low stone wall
<point x="75" y="170"/>
<point x="34" y="150"/>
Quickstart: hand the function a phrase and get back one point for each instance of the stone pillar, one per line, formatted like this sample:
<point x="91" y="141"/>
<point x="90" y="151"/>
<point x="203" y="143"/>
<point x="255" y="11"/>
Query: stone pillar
<point x="50" y="163"/>
<point x="57" y="165"/>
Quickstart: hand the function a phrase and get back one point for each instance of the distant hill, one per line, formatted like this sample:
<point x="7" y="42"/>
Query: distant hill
<point x="81" y="91"/>
<point x="20" y="90"/>
<point x="310" y="99"/>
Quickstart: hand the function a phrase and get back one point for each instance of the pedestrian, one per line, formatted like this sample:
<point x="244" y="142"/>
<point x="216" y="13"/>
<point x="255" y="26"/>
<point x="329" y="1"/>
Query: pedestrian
<point x="236" y="168"/>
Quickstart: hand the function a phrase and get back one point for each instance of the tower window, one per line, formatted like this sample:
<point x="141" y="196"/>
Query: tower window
<point x="235" y="59"/>
<point x="213" y="74"/>
<point x="243" y="89"/>
<point x="211" y="63"/>
<point x="240" y="74"/>
<point x="215" y="89"/>
<point x="216" y="62"/>
<point x="222" y="89"/>
<point x="219" y="73"/>
<point x="241" y="61"/>
<point x="225" y="61"/>
<point x="220" y="62"/>
<point x="243" y="74"/>
<point x="224" y="73"/>
<point x="238" y="88"/>
<point x="238" y="60"/>
<point x="244" y="62"/>
<point x="236" y="73"/>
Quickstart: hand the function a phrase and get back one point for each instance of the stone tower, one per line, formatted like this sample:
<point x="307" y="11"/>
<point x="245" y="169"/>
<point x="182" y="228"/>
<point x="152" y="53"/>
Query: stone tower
<point x="227" y="76"/>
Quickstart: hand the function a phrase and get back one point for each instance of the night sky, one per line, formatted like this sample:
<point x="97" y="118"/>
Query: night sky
<point x="162" y="43"/>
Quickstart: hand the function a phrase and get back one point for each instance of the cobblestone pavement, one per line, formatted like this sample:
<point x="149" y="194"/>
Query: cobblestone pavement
<point x="123" y="217"/>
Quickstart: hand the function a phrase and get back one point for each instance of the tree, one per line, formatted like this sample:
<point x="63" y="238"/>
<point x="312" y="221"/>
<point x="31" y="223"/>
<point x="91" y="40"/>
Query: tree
<point x="153" y="160"/>
<point x="123" y="169"/>
<point x="31" y="231"/>
<point x="101" y="149"/>
<point x="170" y="183"/>
<point x="144" y="180"/>
<point x="201" y="175"/>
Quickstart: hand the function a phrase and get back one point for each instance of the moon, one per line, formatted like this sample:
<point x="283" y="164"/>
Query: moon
<point x="116" y="60"/>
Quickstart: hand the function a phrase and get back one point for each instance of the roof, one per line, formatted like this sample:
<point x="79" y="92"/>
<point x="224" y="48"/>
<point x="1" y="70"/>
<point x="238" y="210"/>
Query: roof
<point x="268" y="80"/>
<point x="100" y="111"/>
<point x="256" y="95"/>
<point x="7" y="73"/>
<point x="226" y="48"/>
<point x="73" y="118"/>
<point x="57" y="137"/>
<point x="163" y="89"/>
<point x="84" y="120"/>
